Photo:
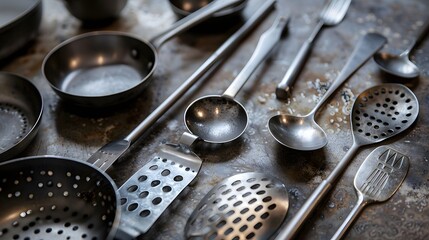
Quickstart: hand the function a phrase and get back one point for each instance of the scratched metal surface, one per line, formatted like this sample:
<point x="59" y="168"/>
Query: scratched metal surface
<point x="72" y="133"/>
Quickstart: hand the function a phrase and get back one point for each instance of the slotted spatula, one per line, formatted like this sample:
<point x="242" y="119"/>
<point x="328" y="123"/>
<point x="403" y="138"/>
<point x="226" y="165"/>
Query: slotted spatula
<point x="378" y="178"/>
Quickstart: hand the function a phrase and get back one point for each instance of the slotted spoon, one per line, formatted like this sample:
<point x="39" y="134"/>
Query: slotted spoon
<point x="377" y="179"/>
<point x="378" y="113"/>
<point x="244" y="206"/>
<point x="331" y="15"/>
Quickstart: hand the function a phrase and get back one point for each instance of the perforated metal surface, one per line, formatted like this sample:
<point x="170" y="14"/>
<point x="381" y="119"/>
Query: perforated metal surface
<point x="146" y="194"/>
<point x="383" y="111"/>
<point x="244" y="206"/>
<point x="14" y="125"/>
<point x="56" y="198"/>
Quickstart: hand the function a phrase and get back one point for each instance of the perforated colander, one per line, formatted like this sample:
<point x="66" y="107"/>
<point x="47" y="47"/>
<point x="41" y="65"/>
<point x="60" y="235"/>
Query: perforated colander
<point x="244" y="206"/>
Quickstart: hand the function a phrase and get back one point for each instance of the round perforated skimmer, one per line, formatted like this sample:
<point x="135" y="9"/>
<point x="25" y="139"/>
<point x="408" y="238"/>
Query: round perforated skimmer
<point x="244" y="206"/>
<point x="14" y="123"/>
<point x="56" y="198"/>
<point x="383" y="111"/>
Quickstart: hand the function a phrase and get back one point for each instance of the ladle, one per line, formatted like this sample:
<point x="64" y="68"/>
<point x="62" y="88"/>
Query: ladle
<point x="400" y="65"/>
<point x="303" y="133"/>
<point x="220" y="118"/>
<point x="378" y="113"/>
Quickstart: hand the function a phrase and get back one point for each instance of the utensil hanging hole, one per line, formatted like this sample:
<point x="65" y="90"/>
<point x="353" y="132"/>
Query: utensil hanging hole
<point x="166" y="189"/>
<point x="144" y="194"/>
<point x="178" y="178"/>
<point x="132" y="188"/>
<point x="156" y="201"/>
<point x="144" y="213"/>
<point x="132" y="207"/>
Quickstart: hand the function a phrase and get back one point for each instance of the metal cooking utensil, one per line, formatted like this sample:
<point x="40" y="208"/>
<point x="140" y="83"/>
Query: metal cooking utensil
<point x="51" y="197"/>
<point x="220" y="118"/>
<point x="400" y="65"/>
<point x="21" y="109"/>
<point x="19" y="24"/>
<point x="331" y="15"/>
<point x="378" y="178"/>
<point x="95" y="12"/>
<point x="244" y="206"/>
<point x="101" y="69"/>
<point x="378" y="113"/>
<point x="302" y="132"/>
<point x="183" y="8"/>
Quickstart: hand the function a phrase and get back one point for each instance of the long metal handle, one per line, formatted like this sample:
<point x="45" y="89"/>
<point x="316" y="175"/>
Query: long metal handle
<point x="316" y="197"/>
<point x="220" y="53"/>
<point x="350" y="218"/>
<point x="365" y="49"/>
<point x="192" y="20"/>
<point x="284" y="87"/>
<point x="266" y="43"/>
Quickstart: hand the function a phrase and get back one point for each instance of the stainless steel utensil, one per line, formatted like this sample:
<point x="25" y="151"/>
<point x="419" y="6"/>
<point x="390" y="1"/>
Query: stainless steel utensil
<point x="183" y="8"/>
<point x="377" y="179"/>
<point x="95" y="12"/>
<point x="21" y="109"/>
<point x="303" y="133"/>
<point x="220" y="118"/>
<point x="400" y="65"/>
<point x="378" y="113"/>
<point x="19" y="24"/>
<point x="331" y="15"/>
<point x="244" y="206"/>
<point x="101" y="69"/>
<point x="48" y="197"/>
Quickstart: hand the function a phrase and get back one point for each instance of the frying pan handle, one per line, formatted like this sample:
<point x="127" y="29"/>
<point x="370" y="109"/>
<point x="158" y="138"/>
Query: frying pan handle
<point x="266" y="43"/>
<point x="192" y="20"/>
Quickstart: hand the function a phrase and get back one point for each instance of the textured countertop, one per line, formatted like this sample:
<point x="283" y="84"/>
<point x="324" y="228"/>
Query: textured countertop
<point x="72" y="133"/>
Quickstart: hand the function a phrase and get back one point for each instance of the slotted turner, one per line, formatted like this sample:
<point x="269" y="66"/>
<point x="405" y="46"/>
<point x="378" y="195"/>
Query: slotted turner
<point x="378" y="178"/>
<point x="244" y="206"/>
<point x="378" y="113"/>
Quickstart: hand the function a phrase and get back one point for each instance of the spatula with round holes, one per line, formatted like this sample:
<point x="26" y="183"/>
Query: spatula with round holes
<point x="377" y="179"/>
<point x="378" y="113"/>
<point x="244" y="206"/>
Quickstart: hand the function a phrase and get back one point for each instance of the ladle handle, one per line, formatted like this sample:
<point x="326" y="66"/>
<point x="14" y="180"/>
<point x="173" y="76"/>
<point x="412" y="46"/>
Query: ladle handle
<point x="192" y="20"/>
<point x="367" y="46"/>
<point x="316" y="197"/>
<point x="350" y="218"/>
<point x="422" y="32"/>
<point x="266" y="43"/>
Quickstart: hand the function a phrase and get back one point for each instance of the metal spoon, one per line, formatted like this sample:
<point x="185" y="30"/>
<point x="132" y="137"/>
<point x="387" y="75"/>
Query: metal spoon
<point x="220" y="118"/>
<point x="400" y="65"/>
<point x="378" y="113"/>
<point x="303" y="133"/>
<point x="244" y="206"/>
<point x="377" y="179"/>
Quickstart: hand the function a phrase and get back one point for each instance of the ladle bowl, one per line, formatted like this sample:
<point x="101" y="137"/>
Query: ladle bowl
<point x="216" y="119"/>
<point x="400" y="66"/>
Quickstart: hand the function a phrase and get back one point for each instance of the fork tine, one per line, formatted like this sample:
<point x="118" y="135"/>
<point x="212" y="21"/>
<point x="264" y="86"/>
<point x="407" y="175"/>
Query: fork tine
<point x="334" y="11"/>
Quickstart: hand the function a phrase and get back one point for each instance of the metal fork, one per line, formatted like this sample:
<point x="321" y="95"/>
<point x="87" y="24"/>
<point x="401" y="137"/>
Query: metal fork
<point x="332" y="14"/>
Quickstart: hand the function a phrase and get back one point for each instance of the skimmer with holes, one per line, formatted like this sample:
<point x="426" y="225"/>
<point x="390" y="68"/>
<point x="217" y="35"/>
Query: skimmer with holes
<point x="244" y="206"/>
<point x="378" y="113"/>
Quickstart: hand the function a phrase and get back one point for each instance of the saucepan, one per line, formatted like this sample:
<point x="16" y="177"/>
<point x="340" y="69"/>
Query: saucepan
<point x="95" y="12"/>
<point x="19" y="23"/>
<point x="21" y="108"/>
<point x="102" y="69"/>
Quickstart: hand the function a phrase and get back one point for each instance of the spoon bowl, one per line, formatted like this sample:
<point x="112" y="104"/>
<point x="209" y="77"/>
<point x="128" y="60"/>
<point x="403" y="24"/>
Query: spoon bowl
<point x="398" y="65"/>
<point x="301" y="133"/>
<point x="216" y="119"/>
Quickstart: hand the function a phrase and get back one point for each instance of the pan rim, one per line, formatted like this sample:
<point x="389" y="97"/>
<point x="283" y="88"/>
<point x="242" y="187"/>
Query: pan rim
<point x="19" y="17"/>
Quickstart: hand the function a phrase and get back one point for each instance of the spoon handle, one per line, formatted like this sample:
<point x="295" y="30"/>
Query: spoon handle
<point x="266" y="43"/>
<point x="192" y="20"/>
<point x="350" y="218"/>
<point x="366" y="47"/>
<point x="422" y="32"/>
